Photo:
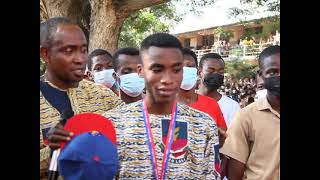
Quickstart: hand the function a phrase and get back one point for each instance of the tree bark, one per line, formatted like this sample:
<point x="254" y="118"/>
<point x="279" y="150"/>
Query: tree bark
<point x="130" y="6"/>
<point x="43" y="12"/>
<point x="104" y="26"/>
<point x="76" y="10"/>
<point x="101" y="20"/>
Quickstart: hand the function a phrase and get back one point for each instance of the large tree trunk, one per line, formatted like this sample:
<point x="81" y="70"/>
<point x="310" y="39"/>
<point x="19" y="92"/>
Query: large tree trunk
<point x="107" y="18"/>
<point x="76" y="10"/>
<point x="105" y="26"/>
<point x="101" y="20"/>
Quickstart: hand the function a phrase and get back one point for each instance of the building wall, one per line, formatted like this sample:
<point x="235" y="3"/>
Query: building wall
<point x="193" y="42"/>
<point x="196" y="37"/>
<point x="199" y="40"/>
<point x="237" y="31"/>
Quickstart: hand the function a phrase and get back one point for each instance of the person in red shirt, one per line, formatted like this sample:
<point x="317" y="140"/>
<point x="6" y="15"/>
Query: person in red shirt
<point x="188" y="95"/>
<point x="211" y="107"/>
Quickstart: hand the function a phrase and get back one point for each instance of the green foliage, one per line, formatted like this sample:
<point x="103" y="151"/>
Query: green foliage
<point x="248" y="34"/>
<point x="270" y="26"/>
<point x="192" y="5"/>
<point x="155" y="19"/>
<point x="223" y="34"/>
<point x="240" y="69"/>
<point x="272" y="5"/>
<point x="249" y="8"/>
<point x="239" y="13"/>
<point x="145" y="22"/>
<point x="236" y="53"/>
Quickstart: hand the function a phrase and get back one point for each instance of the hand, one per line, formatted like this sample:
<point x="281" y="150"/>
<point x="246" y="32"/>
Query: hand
<point x="56" y="135"/>
<point x="224" y="161"/>
<point x="222" y="136"/>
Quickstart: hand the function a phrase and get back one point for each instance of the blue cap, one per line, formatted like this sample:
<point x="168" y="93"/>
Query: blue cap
<point x="89" y="156"/>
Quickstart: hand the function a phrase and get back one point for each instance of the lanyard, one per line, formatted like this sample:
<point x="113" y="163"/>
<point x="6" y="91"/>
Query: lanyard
<point x="159" y="175"/>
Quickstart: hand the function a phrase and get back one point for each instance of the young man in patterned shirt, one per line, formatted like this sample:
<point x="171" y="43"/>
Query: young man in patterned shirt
<point x="156" y="136"/>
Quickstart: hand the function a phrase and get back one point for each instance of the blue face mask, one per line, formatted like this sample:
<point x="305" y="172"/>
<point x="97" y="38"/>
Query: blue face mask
<point x="104" y="77"/>
<point x="131" y="84"/>
<point x="189" y="78"/>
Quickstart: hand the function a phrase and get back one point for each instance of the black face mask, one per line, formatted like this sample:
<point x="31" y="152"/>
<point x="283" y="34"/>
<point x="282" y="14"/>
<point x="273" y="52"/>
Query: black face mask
<point x="213" y="81"/>
<point x="272" y="84"/>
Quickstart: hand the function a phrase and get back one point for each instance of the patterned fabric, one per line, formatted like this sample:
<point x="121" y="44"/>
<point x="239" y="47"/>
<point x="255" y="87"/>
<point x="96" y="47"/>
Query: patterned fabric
<point x="192" y="154"/>
<point x="87" y="97"/>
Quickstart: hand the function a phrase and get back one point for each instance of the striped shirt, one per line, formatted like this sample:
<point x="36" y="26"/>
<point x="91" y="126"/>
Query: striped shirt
<point x="194" y="152"/>
<point x="87" y="97"/>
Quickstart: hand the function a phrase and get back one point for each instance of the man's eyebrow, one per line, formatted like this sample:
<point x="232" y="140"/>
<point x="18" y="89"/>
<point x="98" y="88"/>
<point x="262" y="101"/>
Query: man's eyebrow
<point x="177" y="64"/>
<point x="156" y="65"/>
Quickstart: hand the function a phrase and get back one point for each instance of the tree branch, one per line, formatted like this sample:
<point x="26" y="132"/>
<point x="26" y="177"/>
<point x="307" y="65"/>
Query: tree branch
<point x="43" y="11"/>
<point x="128" y="6"/>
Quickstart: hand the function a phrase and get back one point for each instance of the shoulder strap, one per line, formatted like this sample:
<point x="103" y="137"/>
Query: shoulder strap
<point x="58" y="99"/>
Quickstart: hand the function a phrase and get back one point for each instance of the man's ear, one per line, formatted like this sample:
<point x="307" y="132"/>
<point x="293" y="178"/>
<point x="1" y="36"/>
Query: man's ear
<point x="90" y="75"/>
<point x="44" y="54"/>
<point x="114" y="75"/>
<point x="200" y="73"/>
<point x="140" y="70"/>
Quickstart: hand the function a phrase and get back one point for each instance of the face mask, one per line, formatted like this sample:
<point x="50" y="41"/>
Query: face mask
<point x="104" y="77"/>
<point x="261" y="93"/>
<point x="131" y="84"/>
<point x="272" y="84"/>
<point x="189" y="78"/>
<point x="213" y="81"/>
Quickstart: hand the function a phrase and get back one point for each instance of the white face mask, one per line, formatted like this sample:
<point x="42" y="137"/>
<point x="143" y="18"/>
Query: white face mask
<point x="104" y="77"/>
<point x="189" y="78"/>
<point x="131" y="84"/>
<point x="261" y="93"/>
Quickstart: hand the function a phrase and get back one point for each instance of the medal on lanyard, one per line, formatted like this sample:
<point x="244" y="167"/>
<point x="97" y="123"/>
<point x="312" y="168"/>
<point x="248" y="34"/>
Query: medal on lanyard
<point x="166" y="154"/>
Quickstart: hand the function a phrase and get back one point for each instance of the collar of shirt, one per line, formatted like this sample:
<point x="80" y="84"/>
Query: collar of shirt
<point x="263" y="104"/>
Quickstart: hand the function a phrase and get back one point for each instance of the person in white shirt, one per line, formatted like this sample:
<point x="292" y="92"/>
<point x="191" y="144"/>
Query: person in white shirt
<point x="211" y="73"/>
<point x="228" y="107"/>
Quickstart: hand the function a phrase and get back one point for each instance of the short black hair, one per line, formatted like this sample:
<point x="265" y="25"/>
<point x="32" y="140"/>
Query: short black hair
<point x="250" y="100"/>
<point x="163" y="40"/>
<point x="271" y="50"/>
<point x="187" y="51"/>
<point x="49" y="27"/>
<point x="209" y="55"/>
<point x="97" y="52"/>
<point x="126" y="51"/>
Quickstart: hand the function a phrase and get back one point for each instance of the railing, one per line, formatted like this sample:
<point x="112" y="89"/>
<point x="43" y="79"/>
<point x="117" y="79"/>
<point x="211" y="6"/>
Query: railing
<point x="245" y="52"/>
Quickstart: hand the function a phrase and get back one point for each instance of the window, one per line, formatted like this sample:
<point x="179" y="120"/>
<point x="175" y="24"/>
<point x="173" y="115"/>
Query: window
<point x="208" y="40"/>
<point x="186" y="43"/>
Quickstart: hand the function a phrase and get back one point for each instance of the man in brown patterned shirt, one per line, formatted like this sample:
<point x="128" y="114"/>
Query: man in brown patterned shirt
<point x="63" y="47"/>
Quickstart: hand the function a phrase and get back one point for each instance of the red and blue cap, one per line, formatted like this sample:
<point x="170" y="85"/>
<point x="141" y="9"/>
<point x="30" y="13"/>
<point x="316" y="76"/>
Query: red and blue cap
<point x="92" y="152"/>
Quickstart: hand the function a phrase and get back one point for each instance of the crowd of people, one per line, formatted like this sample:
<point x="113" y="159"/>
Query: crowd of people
<point x="243" y="90"/>
<point x="175" y="117"/>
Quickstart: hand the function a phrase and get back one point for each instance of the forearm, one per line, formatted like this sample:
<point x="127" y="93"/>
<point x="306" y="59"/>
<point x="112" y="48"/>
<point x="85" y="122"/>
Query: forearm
<point x="224" y="163"/>
<point x="235" y="169"/>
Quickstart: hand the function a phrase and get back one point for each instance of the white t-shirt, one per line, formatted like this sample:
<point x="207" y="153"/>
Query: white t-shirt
<point x="228" y="107"/>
